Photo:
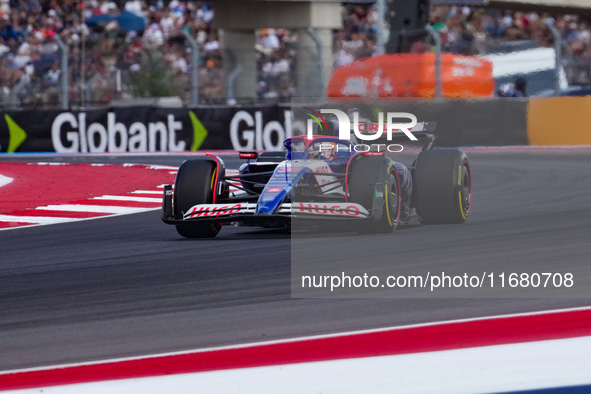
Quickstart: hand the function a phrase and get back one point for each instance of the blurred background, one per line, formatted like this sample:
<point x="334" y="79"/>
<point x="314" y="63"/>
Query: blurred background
<point x="88" y="53"/>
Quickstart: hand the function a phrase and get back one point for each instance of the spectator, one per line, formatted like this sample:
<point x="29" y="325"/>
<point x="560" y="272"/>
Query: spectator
<point x="343" y="57"/>
<point x="276" y="64"/>
<point x="516" y="89"/>
<point x="270" y="39"/>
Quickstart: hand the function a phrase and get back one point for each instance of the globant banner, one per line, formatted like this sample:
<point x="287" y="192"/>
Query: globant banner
<point x="487" y="122"/>
<point x="145" y="129"/>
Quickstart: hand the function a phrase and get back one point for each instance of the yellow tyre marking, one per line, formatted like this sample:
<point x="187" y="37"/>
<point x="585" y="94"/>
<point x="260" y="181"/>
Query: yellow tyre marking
<point x="386" y="192"/>
<point x="213" y="178"/>
<point x="461" y="207"/>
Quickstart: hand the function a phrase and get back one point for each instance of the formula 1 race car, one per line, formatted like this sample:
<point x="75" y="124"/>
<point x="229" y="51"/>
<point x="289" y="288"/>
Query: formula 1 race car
<point x="320" y="178"/>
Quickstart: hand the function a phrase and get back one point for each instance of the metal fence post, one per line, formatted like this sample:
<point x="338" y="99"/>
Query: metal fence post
<point x="232" y="77"/>
<point x="558" y="60"/>
<point x="381" y="40"/>
<point x="88" y="87"/>
<point x="319" y="60"/>
<point x="194" y="67"/>
<point x="438" y="82"/>
<point x="63" y="72"/>
<point x="16" y="90"/>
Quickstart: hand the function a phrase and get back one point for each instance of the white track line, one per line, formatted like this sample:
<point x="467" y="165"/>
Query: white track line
<point x="26" y="226"/>
<point x="4" y="180"/>
<point x="499" y="368"/>
<point x="159" y="192"/>
<point x="34" y="219"/>
<point x="157" y="167"/>
<point x="93" y="208"/>
<point x="128" y="198"/>
<point x="296" y="339"/>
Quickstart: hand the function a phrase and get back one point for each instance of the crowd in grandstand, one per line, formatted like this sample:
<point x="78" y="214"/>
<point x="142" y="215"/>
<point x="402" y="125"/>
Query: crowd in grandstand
<point x="105" y="59"/>
<point x="103" y="56"/>
<point x="467" y="31"/>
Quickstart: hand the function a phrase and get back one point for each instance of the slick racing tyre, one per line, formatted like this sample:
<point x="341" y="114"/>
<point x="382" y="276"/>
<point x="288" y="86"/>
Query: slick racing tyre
<point x="195" y="184"/>
<point x="375" y="179"/>
<point x="443" y="186"/>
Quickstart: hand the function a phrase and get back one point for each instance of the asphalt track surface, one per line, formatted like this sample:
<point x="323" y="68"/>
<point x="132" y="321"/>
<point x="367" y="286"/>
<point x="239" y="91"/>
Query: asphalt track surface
<point x="129" y="285"/>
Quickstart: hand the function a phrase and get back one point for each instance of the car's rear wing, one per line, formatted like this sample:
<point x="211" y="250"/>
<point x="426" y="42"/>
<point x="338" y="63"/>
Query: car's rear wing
<point x="371" y="128"/>
<point x="424" y="132"/>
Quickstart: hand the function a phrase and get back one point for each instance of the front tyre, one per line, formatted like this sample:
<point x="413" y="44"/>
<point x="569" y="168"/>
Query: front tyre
<point x="195" y="184"/>
<point x="375" y="180"/>
<point x="443" y="193"/>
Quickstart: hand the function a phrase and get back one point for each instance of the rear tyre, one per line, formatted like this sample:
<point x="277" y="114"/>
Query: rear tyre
<point x="443" y="193"/>
<point x="370" y="177"/>
<point x="195" y="184"/>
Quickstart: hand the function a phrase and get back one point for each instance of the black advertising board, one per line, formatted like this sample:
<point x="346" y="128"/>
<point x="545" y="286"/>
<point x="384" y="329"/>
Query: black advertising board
<point x="493" y="122"/>
<point x="144" y="129"/>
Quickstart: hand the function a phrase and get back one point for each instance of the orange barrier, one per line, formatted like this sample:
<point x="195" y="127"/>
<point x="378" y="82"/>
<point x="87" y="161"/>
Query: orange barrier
<point x="559" y="121"/>
<point x="413" y="75"/>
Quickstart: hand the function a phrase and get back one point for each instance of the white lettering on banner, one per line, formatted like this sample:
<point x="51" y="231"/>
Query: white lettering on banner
<point x="94" y="130"/>
<point x="156" y="129"/>
<point x="116" y="129"/>
<point x="138" y="137"/>
<point x="83" y="139"/>
<point x="258" y="119"/>
<point x="270" y="128"/>
<point x="287" y="119"/>
<point x="71" y="134"/>
<point x="247" y="135"/>
<point x="173" y="126"/>
<point x="252" y="133"/>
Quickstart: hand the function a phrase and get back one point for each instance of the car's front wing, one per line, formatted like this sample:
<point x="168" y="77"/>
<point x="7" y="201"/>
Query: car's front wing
<point x="244" y="212"/>
<point x="300" y="209"/>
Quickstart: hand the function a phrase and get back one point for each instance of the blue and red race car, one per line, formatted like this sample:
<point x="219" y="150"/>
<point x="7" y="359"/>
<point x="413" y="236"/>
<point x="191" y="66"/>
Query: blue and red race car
<point x="322" y="178"/>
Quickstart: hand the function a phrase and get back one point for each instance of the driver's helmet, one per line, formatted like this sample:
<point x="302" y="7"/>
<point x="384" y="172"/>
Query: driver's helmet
<point x="329" y="150"/>
<point x="322" y="150"/>
<point x="314" y="151"/>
